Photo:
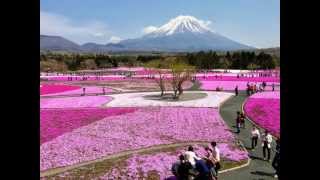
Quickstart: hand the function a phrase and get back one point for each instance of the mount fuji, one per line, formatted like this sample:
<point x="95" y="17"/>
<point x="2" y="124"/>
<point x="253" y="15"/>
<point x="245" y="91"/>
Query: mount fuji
<point x="183" y="33"/>
<point x="180" y="34"/>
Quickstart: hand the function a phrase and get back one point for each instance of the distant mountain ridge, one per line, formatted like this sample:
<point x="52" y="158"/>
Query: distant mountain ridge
<point x="181" y="34"/>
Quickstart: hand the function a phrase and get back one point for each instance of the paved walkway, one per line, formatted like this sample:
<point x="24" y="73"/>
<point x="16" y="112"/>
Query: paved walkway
<point x="258" y="168"/>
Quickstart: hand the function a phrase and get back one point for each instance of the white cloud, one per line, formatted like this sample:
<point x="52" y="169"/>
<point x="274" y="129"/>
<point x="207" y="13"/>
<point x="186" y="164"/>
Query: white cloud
<point x="149" y="29"/>
<point x="55" y="24"/>
<point x="115" y="39"/>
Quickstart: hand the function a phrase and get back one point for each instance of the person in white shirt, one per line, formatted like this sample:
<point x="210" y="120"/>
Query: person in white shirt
<point x="255" y="135"/>
<point x="266" y="144"/>
<point x="216" y="156"/>
<point x="191" y="156"/>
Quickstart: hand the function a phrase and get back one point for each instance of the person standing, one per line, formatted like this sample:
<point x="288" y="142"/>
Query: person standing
<point x="276" y="160"/>
<point x="216" y="157"/>
<point x="272" y="86"/>
<point x="266" y="145"/>
<point x="236" y="90"/>
<point x="210" y="161"/>
<point x="243" y="120"/>
<point x="255" y="135"/>
<point x="191" y="156"/>
<point x="83" y="91"/>
<point x="103" y="90"/>
<point x="238" y="122"/>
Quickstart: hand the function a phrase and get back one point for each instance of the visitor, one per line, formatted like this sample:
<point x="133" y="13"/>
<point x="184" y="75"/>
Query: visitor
<point x="236" y="90"/>
<point x="272" y="86"/>
<point x="210" y="161"/>
<point x="266" y="145"/>
<point x="238" y="122"/>
<point x="83" y="91"/>
<point x="276" y="160"/>
<point x="216" y="157"/>
<point x="243" y="120"/>
<point x="254" y="88"/>
<point x="191" y="157"/>
<point x="255" y="135"/>
<point x="248" y="90"/>
<point x="181" y="168"/>
<point x="202" y="169"/>
<point x="103" y="90"/>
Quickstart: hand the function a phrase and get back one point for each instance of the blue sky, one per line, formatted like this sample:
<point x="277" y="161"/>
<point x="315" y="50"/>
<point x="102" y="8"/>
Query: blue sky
<point x="252" y="22"/>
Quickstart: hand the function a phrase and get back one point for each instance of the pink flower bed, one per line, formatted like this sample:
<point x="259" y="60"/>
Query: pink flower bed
<point x="74" y="102"/>
<point x="55" y="88"/>
<point x="267" y="95"/>
<point x="79" y="78"/>
<point x="265" y="112"/>
<point x="79" y="91"/>
<point x="234" y="78"/>
<point x="55" y="122"/>
<point x="231" y="85"/>
<point x="144" y="127"/>
<point x="226" y="85"/>
<point x="138" y="165"/>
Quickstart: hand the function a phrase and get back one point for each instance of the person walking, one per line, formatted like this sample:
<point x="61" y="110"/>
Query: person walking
<point x="238" y="122"/>
<point x="242" y="120"/>
<point x="255" y="135"/>
<point x="236" y="91"/>
<point x="266" y="145"/>
<point x="276" y="160"/>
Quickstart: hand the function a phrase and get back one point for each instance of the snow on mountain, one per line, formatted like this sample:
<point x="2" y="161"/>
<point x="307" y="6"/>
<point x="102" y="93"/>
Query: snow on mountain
<point x="181" y="24"/>
<point x="183" y="33"/>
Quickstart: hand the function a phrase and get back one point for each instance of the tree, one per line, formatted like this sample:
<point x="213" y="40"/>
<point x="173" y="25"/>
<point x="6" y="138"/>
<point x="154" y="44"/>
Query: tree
<point x="181" y="72"/>
<point x="252" y="66"/>
<point x="88" y="64"/>
<point x="158" y="65"/>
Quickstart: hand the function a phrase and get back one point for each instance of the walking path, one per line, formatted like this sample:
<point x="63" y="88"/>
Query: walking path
<point x="258" y="168"/>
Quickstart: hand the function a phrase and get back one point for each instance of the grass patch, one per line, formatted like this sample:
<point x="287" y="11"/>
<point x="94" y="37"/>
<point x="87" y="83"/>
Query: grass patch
<point x="169" y="97"/>
<point x="196" y="86"/>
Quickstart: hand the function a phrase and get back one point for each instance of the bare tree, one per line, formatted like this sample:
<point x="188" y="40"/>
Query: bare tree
<point x="180" y="72"/>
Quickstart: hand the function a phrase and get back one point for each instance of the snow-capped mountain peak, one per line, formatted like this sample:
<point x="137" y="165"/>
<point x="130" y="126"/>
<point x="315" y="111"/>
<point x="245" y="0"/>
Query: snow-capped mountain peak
<point x="181" y="24"/>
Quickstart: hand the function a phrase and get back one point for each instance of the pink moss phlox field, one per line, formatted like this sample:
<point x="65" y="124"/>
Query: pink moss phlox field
<point x="161" y="162"/>
<point x="234" y="78"/>
<point x="55" y="88"/>
<point x="89" y="90"/>
<point x="144" y="127"/>
<point x="74" y="102"/>
<point x="265" y="112"/>
<point x="230" y="85"/>
<point x="55" y="122"/>
<point x="267" y="95"/>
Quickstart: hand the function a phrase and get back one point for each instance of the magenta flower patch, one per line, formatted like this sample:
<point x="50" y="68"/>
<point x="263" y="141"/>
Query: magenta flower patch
<point x="55" y="88"/>
<point x="55" y="122"/>
<point x="142" y="128"/>
<point x="265" y="112"/>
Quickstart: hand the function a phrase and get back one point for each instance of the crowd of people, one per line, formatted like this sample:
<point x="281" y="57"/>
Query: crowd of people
<point x="266" y="142"/>
<point x="191" y="166"/>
